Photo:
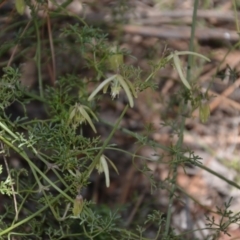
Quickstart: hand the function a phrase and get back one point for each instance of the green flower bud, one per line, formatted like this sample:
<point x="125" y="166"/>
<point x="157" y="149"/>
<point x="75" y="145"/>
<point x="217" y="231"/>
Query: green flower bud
<point x="20" y="6"/>
<point x="77" y="205"/>
<point x="204" y="112"/>
<point x="115" y="60"/>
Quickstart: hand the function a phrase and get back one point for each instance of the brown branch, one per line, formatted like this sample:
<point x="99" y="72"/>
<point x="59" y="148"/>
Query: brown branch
<point x="206" y="14"/>
<point x="170" y="32"/>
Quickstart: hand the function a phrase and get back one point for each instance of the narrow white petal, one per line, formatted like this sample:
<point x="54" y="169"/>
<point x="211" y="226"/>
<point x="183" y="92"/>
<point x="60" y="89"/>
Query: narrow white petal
<point x="126" y="89"/>
<point x="86" y="116"/>
<point x="105" y="169"/>
<point x="192" y="53"/>
<point x="100" y="86"/>
<point x="177" y="62"/>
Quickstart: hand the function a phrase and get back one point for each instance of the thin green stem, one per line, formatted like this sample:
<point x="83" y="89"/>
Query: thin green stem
<point x="53" y="169"/>
<point x="96" y="159"/>
<point x="34" y="167"/>
<point x="167" y="149"/>
<point x="191" y="44"/>
<point x="5" y="231"/>
<point x="38" y="59"/>
<point x="217" y="175"/>
<point x="135" y="135"/>
<point x="236" y="15"/>
<point x="24" y="199"/>
<point x="160" y="65"/>
<point x="181" y="133"/>
<point x="174" y="177"/>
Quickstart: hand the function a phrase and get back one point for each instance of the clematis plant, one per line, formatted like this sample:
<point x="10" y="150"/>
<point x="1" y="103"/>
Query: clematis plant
<point x="80" y="114"/>
<point x="177" y="63"/>
<point x="117" y="82"/>
<point x="102" y="166"/>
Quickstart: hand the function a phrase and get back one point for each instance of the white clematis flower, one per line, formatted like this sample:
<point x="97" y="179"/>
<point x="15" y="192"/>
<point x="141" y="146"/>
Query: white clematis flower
<point x="117" y="83"/>
<point x="80" y="114"/>
<point x="177" y="63"/>
<point x="102" y="166"/>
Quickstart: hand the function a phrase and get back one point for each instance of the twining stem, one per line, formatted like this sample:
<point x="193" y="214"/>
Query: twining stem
<point x="174" y="177"/>
<point x="31" y="164"/>
<point x="180" y="140"/>
<point x="191" y="44"/>
<point x="37" y="58"/>
<point x="167" y="149"/>
<point x="97" y="158"/>
<point x="5" y="231"/>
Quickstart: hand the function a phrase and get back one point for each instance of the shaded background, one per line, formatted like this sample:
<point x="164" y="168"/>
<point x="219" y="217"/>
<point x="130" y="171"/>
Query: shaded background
<point x="147" y="29"/>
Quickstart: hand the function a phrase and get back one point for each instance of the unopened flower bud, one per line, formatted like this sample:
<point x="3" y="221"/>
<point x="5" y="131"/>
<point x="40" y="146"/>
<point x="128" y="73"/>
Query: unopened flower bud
<point x="204" y="112"/>
<point x="77" y="205"/>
